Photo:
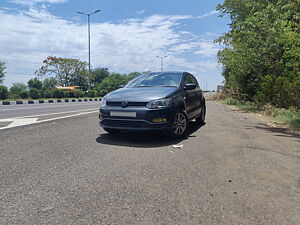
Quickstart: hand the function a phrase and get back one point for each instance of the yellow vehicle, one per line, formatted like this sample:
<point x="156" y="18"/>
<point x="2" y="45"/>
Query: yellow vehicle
<point x="70" y="88"/>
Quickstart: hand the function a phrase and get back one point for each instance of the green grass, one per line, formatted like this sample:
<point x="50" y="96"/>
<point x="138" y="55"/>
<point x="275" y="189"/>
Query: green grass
<point x="289" y="117"/>
<point x="243" y="105"/>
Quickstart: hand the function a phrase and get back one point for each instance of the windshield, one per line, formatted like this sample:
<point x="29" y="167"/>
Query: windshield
<point x="156" y="80"/>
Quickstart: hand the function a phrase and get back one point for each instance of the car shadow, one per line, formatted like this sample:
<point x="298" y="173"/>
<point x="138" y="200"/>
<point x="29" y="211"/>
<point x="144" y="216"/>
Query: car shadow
<point x="145" y="139"/>
<point x="278" y="131"/>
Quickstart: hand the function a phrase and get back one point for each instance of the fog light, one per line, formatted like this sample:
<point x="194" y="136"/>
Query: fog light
<point x="159" y="120"/>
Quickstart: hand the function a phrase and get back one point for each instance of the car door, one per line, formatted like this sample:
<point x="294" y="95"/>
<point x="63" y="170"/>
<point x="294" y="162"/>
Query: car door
<point x="198" y="97"/>
<point x="190" y="95"/>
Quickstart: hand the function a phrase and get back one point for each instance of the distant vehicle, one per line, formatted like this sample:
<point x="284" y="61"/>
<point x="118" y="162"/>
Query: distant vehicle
<point x="69" y="88"/>
<point x="164" y="101"/>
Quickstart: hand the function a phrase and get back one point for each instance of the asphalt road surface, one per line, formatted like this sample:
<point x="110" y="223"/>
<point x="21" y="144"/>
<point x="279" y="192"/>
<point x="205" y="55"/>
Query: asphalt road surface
<point x="233" y="170"/>
<point x="9" y="111"/>
<point x="20" y="115"/>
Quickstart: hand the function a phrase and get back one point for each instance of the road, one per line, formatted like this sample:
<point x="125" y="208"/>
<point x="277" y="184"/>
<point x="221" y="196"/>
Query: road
<point x="233" y="170"/>
<point x="9" y="111"/>
<point x="19" y="115"/>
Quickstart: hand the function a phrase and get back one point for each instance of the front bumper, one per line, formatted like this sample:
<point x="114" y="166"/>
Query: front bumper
<point x="142" y="121"/>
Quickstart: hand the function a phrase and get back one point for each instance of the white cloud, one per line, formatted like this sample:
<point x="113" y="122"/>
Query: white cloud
<point x="140" y="12"/>
<point x="207" y="49"/>
<point x="207" y="14"/>
<point x="32" y="35"/>
<point x="33" y="2"/>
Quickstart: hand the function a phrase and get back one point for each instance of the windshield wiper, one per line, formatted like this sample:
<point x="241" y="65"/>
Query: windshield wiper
<point x="144" y="86"/>
<point x="169" y="86"/>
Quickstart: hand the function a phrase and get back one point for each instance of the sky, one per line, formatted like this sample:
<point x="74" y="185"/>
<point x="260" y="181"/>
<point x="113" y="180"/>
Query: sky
<point x="126" y="36"/>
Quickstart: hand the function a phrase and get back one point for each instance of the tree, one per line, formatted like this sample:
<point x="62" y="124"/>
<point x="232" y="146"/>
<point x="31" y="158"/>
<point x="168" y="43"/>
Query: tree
<point x="23" y="94"/>
<point x="2" y="71"/>
<point x="80" y="79"/>
<point x="34" y="93"/>
<point x="260" y="58"/>
<point x="66" y="71"/>
<point x="132" y="75"/>
<point x="58" y="93"/>
<point x="98" y="75"/>
<point x="35" y="83"/>
<point x="3" y="92"/>
<point x="49" y="83"/>
<point x="112" y="82"/>
<point x="48" y="94"/>
<point x="16" y="88"/>
<point x="78" y="93"/>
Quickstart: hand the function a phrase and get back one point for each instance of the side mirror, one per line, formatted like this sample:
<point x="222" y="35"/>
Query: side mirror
<point x="190" y="86"/>
<point x="121" y="86"/>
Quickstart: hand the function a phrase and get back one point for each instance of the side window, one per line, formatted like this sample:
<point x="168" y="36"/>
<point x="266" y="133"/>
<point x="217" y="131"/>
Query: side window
<point x="195" y="81"/>
<point x="187" y="79"/>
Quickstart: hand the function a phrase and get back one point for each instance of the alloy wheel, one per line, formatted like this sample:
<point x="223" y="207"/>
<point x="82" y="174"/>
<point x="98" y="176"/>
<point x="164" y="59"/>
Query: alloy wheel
<point x="180" y="124"/>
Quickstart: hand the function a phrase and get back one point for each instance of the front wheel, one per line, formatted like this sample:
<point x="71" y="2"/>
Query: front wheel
<point x="179" y="126"/>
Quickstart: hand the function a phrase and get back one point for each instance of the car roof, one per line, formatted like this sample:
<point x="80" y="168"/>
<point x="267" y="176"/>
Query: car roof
<point x="169" y="72"/>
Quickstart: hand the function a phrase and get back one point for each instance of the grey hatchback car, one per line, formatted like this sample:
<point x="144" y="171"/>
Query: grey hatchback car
<point x="164" y="101"/>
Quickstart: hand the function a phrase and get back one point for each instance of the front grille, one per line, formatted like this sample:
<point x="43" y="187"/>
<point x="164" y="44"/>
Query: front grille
<point x="131" y="124"/>
<point x="113" y="103"/>
<point x="118" y="104"/>
<point x="123" y="123"/>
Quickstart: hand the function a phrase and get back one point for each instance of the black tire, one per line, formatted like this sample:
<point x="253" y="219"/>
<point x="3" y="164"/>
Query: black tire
<point x="180" y="125"/>
<point x="201" y="118"/>
<point x="112" y="131"/>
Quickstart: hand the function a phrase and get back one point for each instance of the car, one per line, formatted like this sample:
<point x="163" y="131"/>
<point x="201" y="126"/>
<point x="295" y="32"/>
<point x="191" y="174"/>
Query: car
<point x="156" y="101"/>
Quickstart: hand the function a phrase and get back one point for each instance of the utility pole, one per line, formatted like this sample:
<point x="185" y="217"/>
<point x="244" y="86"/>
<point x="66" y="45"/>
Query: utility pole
<point x="89" y="40"/>
<point x="161" y="62"/>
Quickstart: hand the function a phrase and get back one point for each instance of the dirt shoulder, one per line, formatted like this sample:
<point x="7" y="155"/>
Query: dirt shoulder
<point x="268" y="120"/>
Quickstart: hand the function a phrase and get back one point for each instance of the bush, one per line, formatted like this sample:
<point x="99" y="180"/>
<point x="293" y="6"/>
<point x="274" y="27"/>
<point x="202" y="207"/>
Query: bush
<point x="35" y="83"/>
<point x="102" y="93"/>
<point x="23" y="94"/>
<point x="58" y="93"/>
<point x="16" y="88"/>
<point x="13" y="96"/>
<point x="113" y="81"/>
<point x="85" y="94"/>
<point x="78" y="93"/>
<point x="90" y="94"/>
<point x="66" y="94"/>
<point x="48" y="94"/>
<point x="3" y="92"/>
<point x="93" y="93"/>
<point x="34" y="93"/>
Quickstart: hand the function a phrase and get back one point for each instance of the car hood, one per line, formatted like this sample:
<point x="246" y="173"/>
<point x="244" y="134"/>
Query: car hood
<point x="142" y="94"/>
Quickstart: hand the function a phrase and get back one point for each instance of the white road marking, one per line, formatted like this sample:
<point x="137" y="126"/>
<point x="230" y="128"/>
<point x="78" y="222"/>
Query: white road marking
<point x="49" y="114"/>
<point x="17" y="122"/>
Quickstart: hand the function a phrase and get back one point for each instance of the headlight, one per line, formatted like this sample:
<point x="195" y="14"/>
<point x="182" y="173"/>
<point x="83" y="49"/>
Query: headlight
<point x="103" y="103"/>
<point x="160" y="103"/>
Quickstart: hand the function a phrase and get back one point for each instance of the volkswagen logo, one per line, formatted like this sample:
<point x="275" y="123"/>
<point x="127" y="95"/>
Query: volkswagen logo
<point x="124" y="104"/>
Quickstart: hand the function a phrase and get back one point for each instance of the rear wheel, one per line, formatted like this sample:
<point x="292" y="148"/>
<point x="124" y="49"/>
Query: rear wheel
<point x="201" y="118"/>
<point x="180" y="125"/>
